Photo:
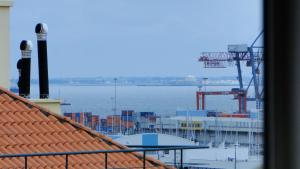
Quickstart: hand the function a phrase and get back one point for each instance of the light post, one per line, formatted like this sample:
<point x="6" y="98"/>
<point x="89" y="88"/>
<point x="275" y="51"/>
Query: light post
<point x="115" y="108"/>
<point x="204" y="81"/>
<point x="127" y="121"/>
<point x="235" y="146"/>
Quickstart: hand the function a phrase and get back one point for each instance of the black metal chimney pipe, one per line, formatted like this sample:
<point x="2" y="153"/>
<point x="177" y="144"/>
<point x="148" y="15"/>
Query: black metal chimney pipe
<point x="41" y="30"/>
<point x="23" y="66"/>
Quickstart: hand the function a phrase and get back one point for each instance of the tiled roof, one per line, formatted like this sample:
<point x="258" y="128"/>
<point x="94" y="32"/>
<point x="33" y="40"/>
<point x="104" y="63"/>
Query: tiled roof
<point x="28" y="128"/>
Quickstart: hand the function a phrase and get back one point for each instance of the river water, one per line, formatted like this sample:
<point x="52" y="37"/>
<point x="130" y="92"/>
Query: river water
<point x="162" y="100"/>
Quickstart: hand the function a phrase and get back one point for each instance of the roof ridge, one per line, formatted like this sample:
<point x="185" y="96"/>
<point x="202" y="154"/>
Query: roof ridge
<point x="89" y="131"/>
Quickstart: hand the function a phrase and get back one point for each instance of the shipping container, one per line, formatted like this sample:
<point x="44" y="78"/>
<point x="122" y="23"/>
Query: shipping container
<point x="113" y="120"/>
<point x="73" y="117"/>
<point x="87" y="119"/>
<point x="200" y="113"/>
<point x="79" y="117"/>
<point x="128" y="118"/>
<point x="240" y="115"/>
<point x="113" y="116"/>
<point x="109" y="120"/>
<point x="146" y="114"/>
<point x="213" y="114"/>
<point x="236" y="115"/>
<point x="103" y="125"/>
<point x="152" y="119"/>
<point x="95" y="118"/>
<point x="224" y="115"/>
<point x="127" y="124"/>
<point x="109" y="129"/>
<point x="127" y="112"/>
<point x="68" y="115"/>
<point x="103" y="121"/>
<point x="95" y="122"/>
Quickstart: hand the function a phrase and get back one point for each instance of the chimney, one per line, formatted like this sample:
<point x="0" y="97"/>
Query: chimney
<point x="53" y="105"/>
<point x="4" y="43"/>
<point x="41" y="30"/>
<point x="23" y="66"/>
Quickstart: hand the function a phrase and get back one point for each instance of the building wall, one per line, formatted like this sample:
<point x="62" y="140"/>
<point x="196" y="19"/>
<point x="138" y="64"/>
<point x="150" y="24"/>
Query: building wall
<point x="4" y="44"/>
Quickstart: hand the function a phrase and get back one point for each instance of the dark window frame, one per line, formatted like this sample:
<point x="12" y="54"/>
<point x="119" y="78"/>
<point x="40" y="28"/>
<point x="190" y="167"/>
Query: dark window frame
<point x="282" y="79"/>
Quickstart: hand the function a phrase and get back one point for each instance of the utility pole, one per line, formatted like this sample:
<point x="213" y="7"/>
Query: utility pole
<point x="115" y="108"/>
<point x="235" y="145"/>
<point x="234" y="156"/>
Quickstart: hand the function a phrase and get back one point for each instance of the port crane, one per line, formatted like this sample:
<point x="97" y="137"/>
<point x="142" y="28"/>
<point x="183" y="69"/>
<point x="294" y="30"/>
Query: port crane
<point x="253" y="56"/>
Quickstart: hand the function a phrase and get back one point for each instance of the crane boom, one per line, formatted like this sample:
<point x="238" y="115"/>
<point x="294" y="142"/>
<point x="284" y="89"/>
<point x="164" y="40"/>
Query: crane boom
<point x="229" y="56"/>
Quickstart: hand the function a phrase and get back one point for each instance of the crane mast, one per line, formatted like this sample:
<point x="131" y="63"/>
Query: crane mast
<point x="237" y="53"/>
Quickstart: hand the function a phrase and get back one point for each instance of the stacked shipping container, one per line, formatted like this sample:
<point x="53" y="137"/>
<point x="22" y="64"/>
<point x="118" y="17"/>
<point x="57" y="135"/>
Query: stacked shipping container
<point x="103" y="125"/>
<point x="95" y="122"/>
<point x="128" y="121"/>
<point x="128" y="118"/>
<point x="113" y="123"/>
<point x="85" y="118"/>
<point x="147" y="120"/>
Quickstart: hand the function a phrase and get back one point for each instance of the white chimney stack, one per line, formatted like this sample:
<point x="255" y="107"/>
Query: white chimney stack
<point x="4" y="43"/>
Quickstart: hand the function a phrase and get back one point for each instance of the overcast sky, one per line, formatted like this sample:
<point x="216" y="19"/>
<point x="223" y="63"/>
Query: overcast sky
<point x="133" y="37"/>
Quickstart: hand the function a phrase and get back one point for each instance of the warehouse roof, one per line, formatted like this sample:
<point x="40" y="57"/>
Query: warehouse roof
<point x="28" y="128"/>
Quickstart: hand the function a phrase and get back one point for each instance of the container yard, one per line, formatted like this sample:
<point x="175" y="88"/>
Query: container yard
<point x="85" y="118"/>
<point x="201" y="126"/>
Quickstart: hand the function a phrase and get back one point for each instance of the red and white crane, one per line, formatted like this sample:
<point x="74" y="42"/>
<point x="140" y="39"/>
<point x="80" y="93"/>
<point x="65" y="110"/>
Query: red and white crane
<point x="253" y="56"/>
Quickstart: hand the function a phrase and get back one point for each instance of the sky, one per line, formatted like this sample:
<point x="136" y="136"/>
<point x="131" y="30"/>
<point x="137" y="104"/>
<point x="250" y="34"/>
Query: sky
<point x="114" y="38"/>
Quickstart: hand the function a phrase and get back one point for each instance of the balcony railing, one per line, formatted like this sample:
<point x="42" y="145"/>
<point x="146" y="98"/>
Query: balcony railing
<point x="139" y="148"/>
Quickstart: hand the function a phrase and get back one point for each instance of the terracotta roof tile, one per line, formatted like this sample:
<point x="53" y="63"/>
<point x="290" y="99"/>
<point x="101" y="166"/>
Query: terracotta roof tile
<point x="28" y="128"/>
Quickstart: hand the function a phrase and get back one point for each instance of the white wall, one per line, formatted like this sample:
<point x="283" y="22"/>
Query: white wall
<point x="4" y="44"/>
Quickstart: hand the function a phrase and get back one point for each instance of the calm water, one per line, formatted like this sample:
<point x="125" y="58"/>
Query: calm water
<point x="160" y="99"/>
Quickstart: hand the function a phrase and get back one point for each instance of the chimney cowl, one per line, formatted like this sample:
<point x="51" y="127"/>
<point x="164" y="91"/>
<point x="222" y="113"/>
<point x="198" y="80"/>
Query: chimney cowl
<point x="41" y="28"/>
<point x="26" y="45"/>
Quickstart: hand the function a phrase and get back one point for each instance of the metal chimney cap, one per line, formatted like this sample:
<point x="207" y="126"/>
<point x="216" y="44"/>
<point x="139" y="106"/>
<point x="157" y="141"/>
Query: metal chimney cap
<point x="41" y="28"/>
<point x="26" y="45"/>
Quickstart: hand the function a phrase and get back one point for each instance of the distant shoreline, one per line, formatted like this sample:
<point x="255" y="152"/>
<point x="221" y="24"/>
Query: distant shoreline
<point x="142" y="85"/>
<point x="142" y="81"/>
<point x="137" y="85"/>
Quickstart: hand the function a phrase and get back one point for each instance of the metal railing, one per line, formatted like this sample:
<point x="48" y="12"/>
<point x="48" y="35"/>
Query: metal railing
<point x="107" y="152"/>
